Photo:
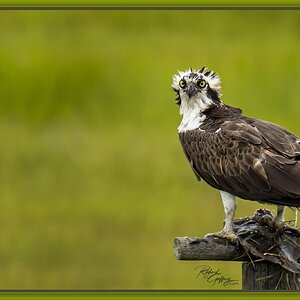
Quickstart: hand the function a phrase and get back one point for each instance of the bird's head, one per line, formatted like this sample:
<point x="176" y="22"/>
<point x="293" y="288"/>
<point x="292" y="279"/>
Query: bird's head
<point x="201" y="86"/>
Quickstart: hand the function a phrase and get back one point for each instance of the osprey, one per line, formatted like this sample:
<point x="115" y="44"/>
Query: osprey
<point x="240" y="156"/>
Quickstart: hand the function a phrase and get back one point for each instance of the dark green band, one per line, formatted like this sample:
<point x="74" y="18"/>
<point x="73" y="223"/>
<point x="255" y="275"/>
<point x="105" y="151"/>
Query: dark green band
<point x="154" y="3"/>
<point x="149" y="295"/>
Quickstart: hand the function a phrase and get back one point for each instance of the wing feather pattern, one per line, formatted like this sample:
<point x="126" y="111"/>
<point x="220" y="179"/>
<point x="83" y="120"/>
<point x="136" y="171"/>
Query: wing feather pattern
<point x="249" y="158"/>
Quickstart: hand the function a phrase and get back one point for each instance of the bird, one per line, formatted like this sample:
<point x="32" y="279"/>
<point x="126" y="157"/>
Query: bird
<point x="240" y="156"/>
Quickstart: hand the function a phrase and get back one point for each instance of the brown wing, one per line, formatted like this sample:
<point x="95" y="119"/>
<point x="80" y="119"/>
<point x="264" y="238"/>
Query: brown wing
<point x="244" y="158"/>
<point x="278" y="138"/>
<point x="281" y="159"/>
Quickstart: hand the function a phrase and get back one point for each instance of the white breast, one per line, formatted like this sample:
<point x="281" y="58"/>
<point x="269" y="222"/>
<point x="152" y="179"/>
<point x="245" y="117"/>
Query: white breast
<point x="191" y="120"/>
<point x="191" y="111"/>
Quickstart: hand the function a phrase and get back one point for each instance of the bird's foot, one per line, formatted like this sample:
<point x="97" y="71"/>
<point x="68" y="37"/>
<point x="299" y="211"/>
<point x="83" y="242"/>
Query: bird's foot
<point x="279" y="223"/>
<point x="275" y="222"/>
<point x="229" y="235"/>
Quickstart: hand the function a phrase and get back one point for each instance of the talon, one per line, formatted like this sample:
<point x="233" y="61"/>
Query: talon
<point x="229" y="235"/>
<point x="278" y="223"/>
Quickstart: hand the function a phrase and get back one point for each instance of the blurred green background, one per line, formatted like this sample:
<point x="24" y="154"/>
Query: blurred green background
<point x="94" y="185"/>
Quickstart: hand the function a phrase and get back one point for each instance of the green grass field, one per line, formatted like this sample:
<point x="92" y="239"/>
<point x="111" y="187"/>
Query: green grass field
<point x="94" y="185"/>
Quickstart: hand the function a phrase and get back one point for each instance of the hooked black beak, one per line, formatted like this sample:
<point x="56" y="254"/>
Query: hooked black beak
<point x="191" y="90"/>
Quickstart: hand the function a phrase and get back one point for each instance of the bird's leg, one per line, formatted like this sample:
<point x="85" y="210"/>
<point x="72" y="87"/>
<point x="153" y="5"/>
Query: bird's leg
<point x="279" y="218"/>
<point x="229" y="203"/>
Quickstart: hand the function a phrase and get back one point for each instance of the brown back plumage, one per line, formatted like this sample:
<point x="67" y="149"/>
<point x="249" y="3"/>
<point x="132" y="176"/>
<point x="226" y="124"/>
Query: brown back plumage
<point x="249" y="158"/>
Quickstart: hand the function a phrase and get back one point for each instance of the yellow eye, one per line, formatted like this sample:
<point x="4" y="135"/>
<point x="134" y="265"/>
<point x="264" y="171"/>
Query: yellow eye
<point x="201" y="83"/>
<point x="182" y="83"/>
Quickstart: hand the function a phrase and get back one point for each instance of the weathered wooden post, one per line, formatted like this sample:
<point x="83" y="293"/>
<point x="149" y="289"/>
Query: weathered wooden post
<point x="270" y="255"/>
<point x="268" y="276"/>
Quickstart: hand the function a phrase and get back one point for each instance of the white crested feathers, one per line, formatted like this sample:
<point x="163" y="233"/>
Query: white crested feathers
<point x="213" y="80"/>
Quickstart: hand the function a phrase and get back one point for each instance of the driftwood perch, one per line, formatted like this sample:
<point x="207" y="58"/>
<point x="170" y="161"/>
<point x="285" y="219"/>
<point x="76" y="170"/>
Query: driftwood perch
<point x="271" y="254"/>
<point x="186" y="248"/>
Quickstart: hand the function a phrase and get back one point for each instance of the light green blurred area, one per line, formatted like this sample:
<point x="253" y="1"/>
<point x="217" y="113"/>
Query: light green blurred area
<point x="94" y="185"/>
